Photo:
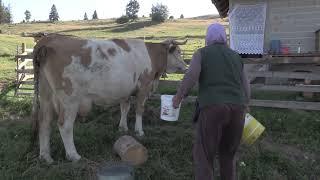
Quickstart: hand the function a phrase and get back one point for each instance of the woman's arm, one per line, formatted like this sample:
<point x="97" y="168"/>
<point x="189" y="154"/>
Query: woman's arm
<point x="246" y="86"/>
<point x="189" y="80"/>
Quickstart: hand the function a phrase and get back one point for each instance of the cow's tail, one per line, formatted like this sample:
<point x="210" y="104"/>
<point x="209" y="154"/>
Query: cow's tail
<point x="38" y="55"/>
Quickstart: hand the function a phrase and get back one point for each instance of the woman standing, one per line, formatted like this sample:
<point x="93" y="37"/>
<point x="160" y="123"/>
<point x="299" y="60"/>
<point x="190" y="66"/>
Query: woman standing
<point x="223" y="98"/>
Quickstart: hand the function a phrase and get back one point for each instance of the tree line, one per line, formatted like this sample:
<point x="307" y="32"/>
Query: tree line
<point x="159" y="13"/>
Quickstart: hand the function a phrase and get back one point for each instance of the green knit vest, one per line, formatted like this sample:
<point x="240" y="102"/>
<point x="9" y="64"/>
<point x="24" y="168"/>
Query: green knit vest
<point x="220" y="77"/>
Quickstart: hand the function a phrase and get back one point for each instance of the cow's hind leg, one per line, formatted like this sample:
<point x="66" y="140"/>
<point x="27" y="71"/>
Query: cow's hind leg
<point x="45" y="119"/>
<point x="125" y="107"/>
<point x="67" y="116"/>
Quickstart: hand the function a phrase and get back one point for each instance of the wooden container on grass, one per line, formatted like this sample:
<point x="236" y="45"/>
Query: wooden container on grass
<point x="130" y="150"/>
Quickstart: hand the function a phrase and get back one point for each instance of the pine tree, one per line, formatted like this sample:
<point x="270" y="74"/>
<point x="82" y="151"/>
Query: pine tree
<point x="5" y="14"/>
<point x="1" y="12"/>
<point x="95" y="15"/>
<point x="27" y="13"/>
<point x="8" y="15"/>
<point x="54" y="16"/>
<point x="85" y="17"/>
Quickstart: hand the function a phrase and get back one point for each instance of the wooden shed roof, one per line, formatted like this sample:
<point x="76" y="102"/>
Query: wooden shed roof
<point x="222" y="6"/>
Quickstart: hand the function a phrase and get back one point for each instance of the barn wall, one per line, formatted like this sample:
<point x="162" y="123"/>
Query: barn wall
<point x="291" y="21"/>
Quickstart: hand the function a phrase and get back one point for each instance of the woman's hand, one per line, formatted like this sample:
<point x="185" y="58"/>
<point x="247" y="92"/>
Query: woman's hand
<point x="176" y="101"/>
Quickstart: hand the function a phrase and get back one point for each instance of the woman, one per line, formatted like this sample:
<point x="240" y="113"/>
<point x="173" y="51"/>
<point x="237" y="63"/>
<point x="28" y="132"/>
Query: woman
<point x="222" y="101"/>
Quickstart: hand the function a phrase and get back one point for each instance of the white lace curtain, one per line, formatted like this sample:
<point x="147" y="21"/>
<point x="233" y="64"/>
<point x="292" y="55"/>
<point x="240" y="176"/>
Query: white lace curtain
<point x="247" y="27"/>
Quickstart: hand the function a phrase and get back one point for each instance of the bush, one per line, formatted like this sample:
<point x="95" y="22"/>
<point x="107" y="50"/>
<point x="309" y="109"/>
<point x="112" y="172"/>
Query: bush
<point x="159" y="13"/>
<point x="171" y="17"/>
<point x="122" y="20"/>
<point x="181" y="16"/>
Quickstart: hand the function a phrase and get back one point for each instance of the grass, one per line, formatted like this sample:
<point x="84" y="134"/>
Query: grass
<point x="169" y="145"/>
<point x="7" y="66"/>
<point x="9" y="44"/>
<point x="289" y="148"/>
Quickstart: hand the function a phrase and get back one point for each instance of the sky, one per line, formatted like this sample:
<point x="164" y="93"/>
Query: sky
<point x="75" y="9"/>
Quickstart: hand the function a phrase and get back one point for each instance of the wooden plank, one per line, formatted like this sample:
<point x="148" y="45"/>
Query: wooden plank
<point x="22" y="88"/>
<point x="278" y="74"/>
<point x="265" y="103"/>
<point x="286" y="104"/>
<point x="29" y="50"/>
<point x="28" y="71"/>
<point x="297" y="88"/>
<point x="25" y="56"/>
<point x="27" y="82"/>
<point x="23" y="93"/>
<point x="24" y="63"/>
<point x="283" y="60"/>
<point x="259" y="87"/>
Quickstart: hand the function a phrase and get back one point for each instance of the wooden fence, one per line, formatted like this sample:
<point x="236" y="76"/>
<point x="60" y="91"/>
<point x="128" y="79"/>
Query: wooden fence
<point x="25" y="78"/>
<point x="24" y="71"/>
<point x="297" y="60"/>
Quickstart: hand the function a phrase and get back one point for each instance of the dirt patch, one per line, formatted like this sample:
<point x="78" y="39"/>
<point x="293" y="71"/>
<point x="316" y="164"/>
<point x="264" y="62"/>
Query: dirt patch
<point x="290" y="152"/>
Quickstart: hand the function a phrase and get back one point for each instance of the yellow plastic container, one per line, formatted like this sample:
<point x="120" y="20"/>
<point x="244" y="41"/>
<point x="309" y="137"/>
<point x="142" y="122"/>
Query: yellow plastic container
<point x="252" y="130"/>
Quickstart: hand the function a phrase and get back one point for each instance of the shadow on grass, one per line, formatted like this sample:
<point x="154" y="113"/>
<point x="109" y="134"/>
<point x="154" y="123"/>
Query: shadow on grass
<point x="90" y="29"/>
<point x="134" y="26"/>
<point x="12" y="105"/>
<point x="5" y="55"/>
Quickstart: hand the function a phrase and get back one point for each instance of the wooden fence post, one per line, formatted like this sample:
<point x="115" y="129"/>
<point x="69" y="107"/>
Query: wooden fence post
<point x="23" y="47"/>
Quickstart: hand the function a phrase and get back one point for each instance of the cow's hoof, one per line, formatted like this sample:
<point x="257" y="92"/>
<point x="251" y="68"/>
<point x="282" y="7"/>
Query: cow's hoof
<point x="47" y="158"/>
<point x="73" y="157"/>
<point x="140" y="133"/>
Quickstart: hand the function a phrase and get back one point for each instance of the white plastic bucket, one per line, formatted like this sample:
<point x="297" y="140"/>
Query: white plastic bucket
<point x="168" y="113"/>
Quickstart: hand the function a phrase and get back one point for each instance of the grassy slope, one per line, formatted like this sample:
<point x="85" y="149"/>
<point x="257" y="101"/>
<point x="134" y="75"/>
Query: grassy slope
<point x="169" y="144"/>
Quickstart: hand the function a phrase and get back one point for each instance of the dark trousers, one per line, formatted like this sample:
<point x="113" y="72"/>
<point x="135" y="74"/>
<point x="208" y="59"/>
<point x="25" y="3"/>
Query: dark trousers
<point x="218" y="130"/>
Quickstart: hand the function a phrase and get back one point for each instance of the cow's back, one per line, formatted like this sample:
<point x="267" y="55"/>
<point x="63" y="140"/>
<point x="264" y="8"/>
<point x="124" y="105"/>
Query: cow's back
<point x="103" y="71"/>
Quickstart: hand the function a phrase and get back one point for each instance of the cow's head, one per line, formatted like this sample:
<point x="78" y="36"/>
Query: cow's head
<point x="175" y="62"/>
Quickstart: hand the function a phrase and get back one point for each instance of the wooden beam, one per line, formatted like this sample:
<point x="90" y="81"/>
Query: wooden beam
<point x="283" y="60"/>
<point x="297" y="88"/>
<point x="23" y="93"/>
<point x="24" y="63"/>
<point x="286" y="104"/>
<point x="265" y="103"/>
<point x="278" y="74"/>
<point x="22" y="88"/>
<point x="259" y="87"/>
<point x="25" y="56"/>
<point x="28" y="71"/>
<point x="27" y="82"/>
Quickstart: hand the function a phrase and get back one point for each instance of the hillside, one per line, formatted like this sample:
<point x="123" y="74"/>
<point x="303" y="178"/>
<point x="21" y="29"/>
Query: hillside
<point x="194" y="29"/>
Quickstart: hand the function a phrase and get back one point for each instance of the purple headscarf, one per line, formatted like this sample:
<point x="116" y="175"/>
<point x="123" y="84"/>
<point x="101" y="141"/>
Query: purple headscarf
<point x="216" y="33"/>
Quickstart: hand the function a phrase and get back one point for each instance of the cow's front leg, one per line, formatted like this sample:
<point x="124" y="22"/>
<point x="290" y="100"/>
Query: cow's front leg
<point x="139" y="113"/>
<point x="141" y="98"/>
<point x="67" y="116"/>
<point x="125" y="107"/>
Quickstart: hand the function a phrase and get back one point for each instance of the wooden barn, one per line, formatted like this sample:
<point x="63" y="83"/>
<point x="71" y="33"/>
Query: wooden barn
<point x="280" y="43"/>
<point x="293" y="23"/>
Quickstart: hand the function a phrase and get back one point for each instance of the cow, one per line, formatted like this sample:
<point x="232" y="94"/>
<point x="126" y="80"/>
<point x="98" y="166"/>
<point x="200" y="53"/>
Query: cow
<point x="72" y="74"/>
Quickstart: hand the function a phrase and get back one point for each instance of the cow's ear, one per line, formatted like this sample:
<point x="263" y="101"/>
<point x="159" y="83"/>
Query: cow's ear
<point x="172" y="48"/>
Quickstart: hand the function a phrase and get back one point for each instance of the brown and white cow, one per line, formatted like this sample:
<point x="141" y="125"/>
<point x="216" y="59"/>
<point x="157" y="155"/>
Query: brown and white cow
<point x="72" y="74"/>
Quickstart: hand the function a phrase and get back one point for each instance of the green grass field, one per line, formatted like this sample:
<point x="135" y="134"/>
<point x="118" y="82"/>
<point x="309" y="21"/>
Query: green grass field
<point x="289" y="149"/>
